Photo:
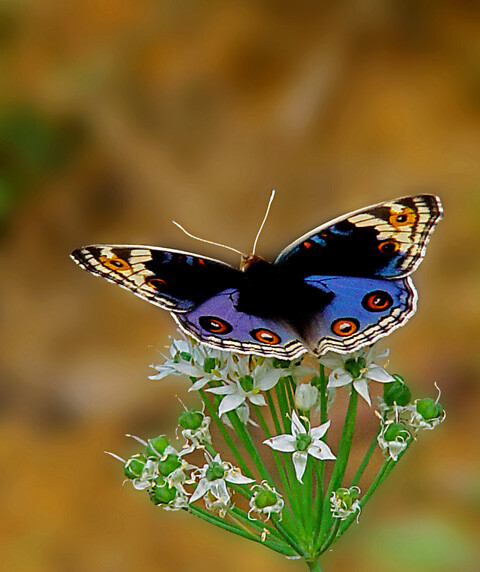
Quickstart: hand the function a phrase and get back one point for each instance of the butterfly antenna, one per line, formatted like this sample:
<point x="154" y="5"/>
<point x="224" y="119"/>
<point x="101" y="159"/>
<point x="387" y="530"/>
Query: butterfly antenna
<point x="272" y="195"/>
<point x="207" y="241"/>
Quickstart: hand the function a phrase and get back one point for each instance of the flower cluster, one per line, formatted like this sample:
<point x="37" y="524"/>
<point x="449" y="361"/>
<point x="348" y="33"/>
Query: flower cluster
<point x="299" y="513"/>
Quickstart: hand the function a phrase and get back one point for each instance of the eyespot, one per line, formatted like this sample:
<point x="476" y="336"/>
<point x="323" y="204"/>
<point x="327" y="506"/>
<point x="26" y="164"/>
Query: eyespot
<point x="214" y="325"/>
<point x="201" y="261"/>
<point x="377" y="301"/>
<point x="405" y="217"/>
<point x="388" y="246"/>
<point x="157" y="283"/>
<point x="345" y="326"/>
<point x="265" y="336"/>
<point x="307" y="244"/>
<point x="115" y="263"/>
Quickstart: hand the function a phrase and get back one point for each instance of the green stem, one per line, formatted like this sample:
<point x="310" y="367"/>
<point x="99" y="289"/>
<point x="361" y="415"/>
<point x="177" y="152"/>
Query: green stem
<point x="225" y="434"/>
<point x="341" y="462"/>
<point x="366" y="459"/>
<point x="382" y="474"/>
<point x="320" y="466"/>
<point x="331" y="536"/>
<point x="314" y="566"/>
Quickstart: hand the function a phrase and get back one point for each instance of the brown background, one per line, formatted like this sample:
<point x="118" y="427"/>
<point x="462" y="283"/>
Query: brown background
<point x="120" y="115"/>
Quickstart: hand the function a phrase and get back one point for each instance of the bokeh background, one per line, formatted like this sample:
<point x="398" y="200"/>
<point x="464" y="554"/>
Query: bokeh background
<point x="117" y="116"/>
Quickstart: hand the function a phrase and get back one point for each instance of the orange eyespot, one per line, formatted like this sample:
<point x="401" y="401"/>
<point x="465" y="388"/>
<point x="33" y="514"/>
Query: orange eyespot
<point x="115" y="263"/>
<point x="307" y="244"/>
<point x="214" y="325"/>
<point x="157" y="283"/>
<point x="201" y="261"/>
<point x="266" y="336"/>
<point x="405" y="217"/>
<point x="388" y="246"/>
<point x="377" y="301"/>
<point x="345" y="326"/>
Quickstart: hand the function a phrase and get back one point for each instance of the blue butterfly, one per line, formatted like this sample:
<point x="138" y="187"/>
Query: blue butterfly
<point x="338" y="288"/>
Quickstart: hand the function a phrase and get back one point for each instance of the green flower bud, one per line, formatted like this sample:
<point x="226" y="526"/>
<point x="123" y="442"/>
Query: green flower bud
<point x="162" y="493"/>
<point x="396" y="392"/>
<point x="303" y="441"/>
<point x="191" y="419"/>
<point x="215" y="471"/>
<point x="396" y="430"/>
<point x="156" y="446"/>
<point x="134" y="466"/>
<point x="209" y="364"/>
<point x="265" y="498"/>
<point x="246" y="383"/>
<point x="186" y="356"/>
<point x="348" y="496"/>
<point x="428" y="409"/>
<point x="168" y="465"/>
<point x="355" y="366"/>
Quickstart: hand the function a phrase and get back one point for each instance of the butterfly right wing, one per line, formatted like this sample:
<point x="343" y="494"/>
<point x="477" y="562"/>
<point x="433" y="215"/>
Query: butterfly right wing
<point x="174" y="280"/>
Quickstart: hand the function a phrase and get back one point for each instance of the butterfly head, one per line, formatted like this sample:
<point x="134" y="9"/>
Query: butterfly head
<point x="248" y="259"/>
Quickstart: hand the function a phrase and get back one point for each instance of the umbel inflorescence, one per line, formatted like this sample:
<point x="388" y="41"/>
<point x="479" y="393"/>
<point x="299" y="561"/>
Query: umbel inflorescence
<point x="275" y="490"/>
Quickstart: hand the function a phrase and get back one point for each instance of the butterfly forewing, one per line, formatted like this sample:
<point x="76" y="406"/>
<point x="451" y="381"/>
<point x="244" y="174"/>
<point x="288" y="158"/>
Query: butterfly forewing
<point x="174" y="280"/>
<point x="387" y="240"/>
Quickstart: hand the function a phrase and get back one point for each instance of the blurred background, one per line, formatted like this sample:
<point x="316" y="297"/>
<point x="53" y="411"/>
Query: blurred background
<point x="117" y="116"/>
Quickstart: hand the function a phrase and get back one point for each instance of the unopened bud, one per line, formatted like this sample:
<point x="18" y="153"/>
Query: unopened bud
<point x="306" y="396"/>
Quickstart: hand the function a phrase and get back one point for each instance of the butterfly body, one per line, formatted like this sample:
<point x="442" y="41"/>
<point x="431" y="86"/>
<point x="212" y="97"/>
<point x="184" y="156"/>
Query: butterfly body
<point x="340" y="287"/>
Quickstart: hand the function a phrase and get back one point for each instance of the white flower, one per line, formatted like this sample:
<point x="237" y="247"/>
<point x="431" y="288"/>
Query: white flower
<point x="193" y="360"/>
<point x="357" y="368"/>
<point x="214" y="476"/>
<point x="302" y="442"/>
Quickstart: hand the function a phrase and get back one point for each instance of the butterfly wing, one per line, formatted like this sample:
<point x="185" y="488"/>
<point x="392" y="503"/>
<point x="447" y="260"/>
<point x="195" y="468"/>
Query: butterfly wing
<point x="387" y="240"/>
<point x="220" y="323"/>
<point x="174" y="280"/>
<point x="361" y="311"/>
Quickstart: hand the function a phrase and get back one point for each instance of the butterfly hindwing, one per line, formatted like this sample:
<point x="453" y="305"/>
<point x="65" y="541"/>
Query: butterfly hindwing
<point x="387" y="240"/>
<point x="219" y="322"/>
<point x="361" y="311"/>
<point x="174" y="280"/>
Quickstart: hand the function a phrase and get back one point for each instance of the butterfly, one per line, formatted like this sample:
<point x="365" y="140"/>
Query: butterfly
<point x="340" y="287"/>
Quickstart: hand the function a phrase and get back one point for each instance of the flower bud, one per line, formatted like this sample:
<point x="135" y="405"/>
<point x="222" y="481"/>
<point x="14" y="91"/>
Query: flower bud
<point x="209" y="364"/>
<point x="306" y="396"/>
<point x="246" y="382"/>
<point x="428" y="409"/>
<point x="162" y="493"/>
<point x="354" y="366"/>
<point x="396" y="392"/>
<point x="265" y="498"/>
<point x="345" y="502"/>
<point x="191" y="419"/>
<point x="156" y="446"/>
<point x="215" y="471"/>
<point x="168" y="465"/>
<point x="133" y="468"/>
<point x="396" y="430"/>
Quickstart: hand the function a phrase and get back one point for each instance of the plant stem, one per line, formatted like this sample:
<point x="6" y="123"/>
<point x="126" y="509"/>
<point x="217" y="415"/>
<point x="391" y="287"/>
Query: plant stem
<point x="366" y="459"/>
<point x="314" y="566"/>
<point x="320" y="466"/>
<point x="341" y="462"/>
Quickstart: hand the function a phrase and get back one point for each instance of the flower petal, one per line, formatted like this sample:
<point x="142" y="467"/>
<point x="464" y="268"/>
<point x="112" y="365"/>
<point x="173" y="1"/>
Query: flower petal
<point x="332" y="360"/>
<point x="269" y="379"/>
<point x="361" y="386"/>
<point x="300" y="462"/>
<point x="318" y="432"/>
<point x="285" y="443"/>
<point x="235" y="476"/>
<point x="377" y="373"/>
<point x="230" y="402"/>
<point x="202" y="487"/>
<point x="223" y="390"/>
<point x="257" y="399"/>
<point x="320" y="450"/>
<point x="297" y="425"/>
<point x="339" y="378"/>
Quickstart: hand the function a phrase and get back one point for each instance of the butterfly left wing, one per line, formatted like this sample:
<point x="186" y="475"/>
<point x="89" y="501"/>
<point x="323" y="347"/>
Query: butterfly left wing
<point x="174" y="280"/>
<point x="361" y="311"/>
<point x="387" y="240"/>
